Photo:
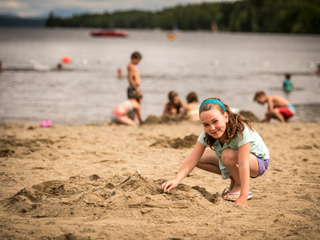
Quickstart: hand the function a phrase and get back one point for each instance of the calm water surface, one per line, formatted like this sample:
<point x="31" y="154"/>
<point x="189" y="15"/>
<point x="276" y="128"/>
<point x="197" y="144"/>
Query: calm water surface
<point x="231" y="66"/>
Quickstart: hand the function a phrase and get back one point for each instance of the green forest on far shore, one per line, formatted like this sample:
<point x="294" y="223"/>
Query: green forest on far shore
<point x="274" y="16"/>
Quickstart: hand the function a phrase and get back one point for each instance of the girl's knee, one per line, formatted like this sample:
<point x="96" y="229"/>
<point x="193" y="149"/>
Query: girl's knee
<point x="229" y="157"/>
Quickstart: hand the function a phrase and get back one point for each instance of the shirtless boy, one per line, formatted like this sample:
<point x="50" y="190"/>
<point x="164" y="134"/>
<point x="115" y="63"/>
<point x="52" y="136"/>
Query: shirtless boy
<point x="133" y="74"/>
<point x="278" y="107"/>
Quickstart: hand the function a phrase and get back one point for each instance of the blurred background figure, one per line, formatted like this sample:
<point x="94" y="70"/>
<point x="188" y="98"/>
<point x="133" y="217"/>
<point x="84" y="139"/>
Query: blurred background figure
<point x="119" y="73"/>
<point x="191" y="112"/>
<point x="287" y="84"/>
<point x="59" y="66"/>
<point x="173" y="107"/>
<point x="318" y="69"/>
<point x="133" y="74"/>
<point x="126" y="112"/>
<point x="278" y="107"/>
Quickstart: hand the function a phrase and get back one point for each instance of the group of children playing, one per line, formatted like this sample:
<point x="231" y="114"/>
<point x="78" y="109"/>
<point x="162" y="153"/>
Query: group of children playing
<point x="236" y="150"/>
<point x="127" y="111"/>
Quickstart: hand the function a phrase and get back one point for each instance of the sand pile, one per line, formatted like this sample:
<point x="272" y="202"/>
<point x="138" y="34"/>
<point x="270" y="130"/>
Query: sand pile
<point x="250" y="115"/>
<point x="94" y="196"/>
<point x="178" y="143"/>
<point x="152" y="119"/>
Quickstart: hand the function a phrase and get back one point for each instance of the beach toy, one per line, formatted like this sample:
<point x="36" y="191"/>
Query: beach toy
<point x="66" y="59"/>
<point x="45" y="123"/>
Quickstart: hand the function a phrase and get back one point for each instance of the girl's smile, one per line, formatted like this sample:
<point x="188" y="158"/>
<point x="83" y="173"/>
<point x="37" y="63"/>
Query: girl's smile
<point x="214" y="123"/>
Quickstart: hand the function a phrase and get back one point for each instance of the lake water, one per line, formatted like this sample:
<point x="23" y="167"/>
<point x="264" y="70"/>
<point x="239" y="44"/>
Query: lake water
<point x="232" y="66"/>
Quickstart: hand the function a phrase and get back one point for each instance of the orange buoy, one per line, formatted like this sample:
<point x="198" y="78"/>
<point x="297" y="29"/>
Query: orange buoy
<point x="171" y="36"/>
<point x="66" y="59"/>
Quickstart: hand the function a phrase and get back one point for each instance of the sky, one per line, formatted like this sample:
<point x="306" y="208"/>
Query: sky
<point x="65" y="8"/>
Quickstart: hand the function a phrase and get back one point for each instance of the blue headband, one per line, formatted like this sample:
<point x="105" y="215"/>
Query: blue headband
<point x="213" y="101"/>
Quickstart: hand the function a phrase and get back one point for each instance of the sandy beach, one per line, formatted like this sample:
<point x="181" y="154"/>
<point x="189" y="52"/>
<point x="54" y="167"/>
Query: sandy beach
<point x="103" y="182"/>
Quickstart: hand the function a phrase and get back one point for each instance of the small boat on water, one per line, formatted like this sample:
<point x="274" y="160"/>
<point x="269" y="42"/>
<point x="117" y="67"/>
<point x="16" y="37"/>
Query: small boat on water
<point x="109" y="33"/>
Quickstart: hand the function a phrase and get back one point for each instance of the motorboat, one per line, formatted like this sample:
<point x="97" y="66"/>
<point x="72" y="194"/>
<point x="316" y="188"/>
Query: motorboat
<point x="109" y="33"/>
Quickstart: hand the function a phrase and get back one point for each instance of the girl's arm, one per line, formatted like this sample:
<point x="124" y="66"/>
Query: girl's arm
<point x="183" y="113"/>
<point x="244" y="172"/>
<point x="188" y="165"/>
<point x="165" y="110"/>
<point x="139" y="114"/>
<point x="270" y="103"/>
<point x="184" y="106"/>
<point x="136" y="105"/>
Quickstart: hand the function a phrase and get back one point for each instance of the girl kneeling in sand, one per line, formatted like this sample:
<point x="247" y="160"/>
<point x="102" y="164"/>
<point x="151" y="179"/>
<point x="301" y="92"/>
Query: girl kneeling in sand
<point x="236" y="151"/>
<point x="126" y="111"/>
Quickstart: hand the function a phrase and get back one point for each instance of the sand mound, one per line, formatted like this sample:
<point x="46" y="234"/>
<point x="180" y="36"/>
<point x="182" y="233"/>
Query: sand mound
<point x="152" y="119"/>
<point x="25" y="142"/>
<point x="16" y="147"/>
<point x="94" y="196"/>
<point x="250" y="115"/>
<point x="177" y="143"/>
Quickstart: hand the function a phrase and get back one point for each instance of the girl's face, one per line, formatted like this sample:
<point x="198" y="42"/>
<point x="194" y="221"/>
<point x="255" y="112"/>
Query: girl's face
<point x="214" y="123"/>
<point x="176" y="100"/>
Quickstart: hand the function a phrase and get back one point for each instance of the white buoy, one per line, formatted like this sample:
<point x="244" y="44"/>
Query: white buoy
<point x="266" y="63"/>
<point x="100" y="61"/>
<point x="85" y="61"/>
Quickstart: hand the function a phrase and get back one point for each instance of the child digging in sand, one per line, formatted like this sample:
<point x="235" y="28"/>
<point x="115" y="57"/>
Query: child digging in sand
<point x="236" y="151"/>
<point x="278" y="107"/>
<point x="126" y="111"/>
<point x="174" y="105"/>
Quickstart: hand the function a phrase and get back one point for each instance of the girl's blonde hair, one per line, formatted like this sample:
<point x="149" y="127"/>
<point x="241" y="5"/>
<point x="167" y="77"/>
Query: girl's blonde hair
<point x="234" y="125"/>
<point x="137" y="96"/>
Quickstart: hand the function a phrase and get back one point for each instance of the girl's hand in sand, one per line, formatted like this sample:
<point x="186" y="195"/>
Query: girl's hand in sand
<point x="242" y="201"/>
<point x="168" y="185"/>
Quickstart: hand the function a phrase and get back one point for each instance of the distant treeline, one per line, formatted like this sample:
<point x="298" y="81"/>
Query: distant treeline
<point x="6" y="21"/>
<point x="278" y="16"/>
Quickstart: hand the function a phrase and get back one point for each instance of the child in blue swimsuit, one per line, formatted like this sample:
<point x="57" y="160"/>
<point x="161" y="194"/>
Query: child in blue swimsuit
<point x="236" y="151"/>
<point x="287" y="84"/>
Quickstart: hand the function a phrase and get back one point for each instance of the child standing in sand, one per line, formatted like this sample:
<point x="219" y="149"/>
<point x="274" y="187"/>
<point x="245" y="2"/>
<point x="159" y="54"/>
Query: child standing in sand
<point x="236" y="151"/>
<point x="278" y="107"/>
<point x="133" y="74"/>
<point x="173" y="107"/>
<point x="126" y="111"/>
